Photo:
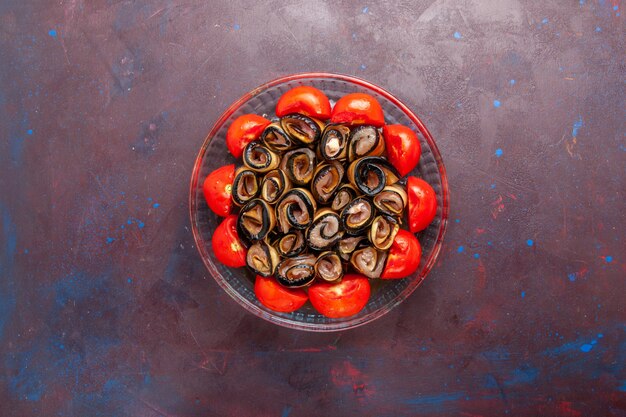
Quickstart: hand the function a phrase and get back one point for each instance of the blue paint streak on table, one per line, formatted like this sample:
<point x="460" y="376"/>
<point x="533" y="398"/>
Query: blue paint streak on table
<point x="107" y="310"/>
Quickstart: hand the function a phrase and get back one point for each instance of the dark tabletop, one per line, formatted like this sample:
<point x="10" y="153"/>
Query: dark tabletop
<point x="106" y="308"/>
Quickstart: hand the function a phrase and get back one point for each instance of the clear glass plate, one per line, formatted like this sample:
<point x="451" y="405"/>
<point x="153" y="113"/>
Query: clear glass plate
<point x="239" y="282"/>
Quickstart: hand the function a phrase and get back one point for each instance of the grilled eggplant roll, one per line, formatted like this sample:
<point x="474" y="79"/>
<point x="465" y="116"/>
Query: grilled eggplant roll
<point x="275" y="138"/>
<point x="325" y="230"/>
<point x="256" y="219"/>
<point x="369" y="261"/>
<point x="334" y="143"/>
<point x="296" y="272"/>
<point x="391" y="200"/>
<point x="371" y="174"/>
<point x="329" y="267"/>
<point x="326" y="180"/>
<point x="262" y="258"/>
<point x="299" y="165"/>
<point x="274" y="185"/>
<point x="383" y="231"/>
<point x="357" y="215"/>
<point x="259" y="158"/>
<point x="245" y="186"/>
<point x="303" y="129"/>
<point x="365" y="141"/>
<point x="295" y="210"/>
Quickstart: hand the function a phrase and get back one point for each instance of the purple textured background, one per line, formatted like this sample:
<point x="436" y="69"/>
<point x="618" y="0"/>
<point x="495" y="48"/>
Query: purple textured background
<point x="106" y="308"/>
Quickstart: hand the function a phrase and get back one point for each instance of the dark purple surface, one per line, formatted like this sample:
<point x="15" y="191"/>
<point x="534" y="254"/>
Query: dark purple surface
<point x="106" y="308"/>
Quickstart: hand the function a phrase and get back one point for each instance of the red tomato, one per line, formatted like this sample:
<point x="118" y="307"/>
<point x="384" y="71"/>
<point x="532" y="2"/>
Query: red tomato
<point x="422" y="204"/>
<point x="217" y="189"/>
<point x="358" y="109"/>
<point x="404" y="256"/>
<point x="304" y="100"/>
<point x="227" y="247"/>
<point x="403" y="148"/>
<point x="244" y="130"/>
<point x="343" y="299"/>
<point x="276" y="297"/>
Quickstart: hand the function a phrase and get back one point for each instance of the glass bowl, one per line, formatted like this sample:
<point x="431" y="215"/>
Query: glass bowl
<point x="239" y="282"/>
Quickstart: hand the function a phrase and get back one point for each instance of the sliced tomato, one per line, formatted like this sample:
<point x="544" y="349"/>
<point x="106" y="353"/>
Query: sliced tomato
<point x="227" y="246"/>
<point x="404" y="256"/>
<point x="244" y="130"/>
<point x="403" y="148"/>
<point x="276" y="297"/>
<point x="343" y="299"/>
<point x="422" y="204"/>
<point x="305" y="100"/>
<point x="217" y="189"/>
<point x="358" y="109"/>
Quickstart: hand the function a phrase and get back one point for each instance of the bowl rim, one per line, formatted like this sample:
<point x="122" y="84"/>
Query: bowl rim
<point x="317" y="327"/>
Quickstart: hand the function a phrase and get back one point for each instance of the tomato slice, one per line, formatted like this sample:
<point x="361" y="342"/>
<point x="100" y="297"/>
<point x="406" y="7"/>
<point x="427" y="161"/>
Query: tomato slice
<point x="227" y="246"/>
<point x="404" y="256"/>
<point x="403" y="148"/>
<point x="244" y="130"/>
<point x="276" y="297"/>
<point x="422" y="204"/>
<point x="344" y="299"/>
<point x="217" y="189"/>
<point x="305" y="100"/>
<point x="358" y="109"/>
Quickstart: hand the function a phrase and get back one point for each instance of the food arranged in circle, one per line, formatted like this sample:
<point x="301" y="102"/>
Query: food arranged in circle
<point x="320" y="203"/>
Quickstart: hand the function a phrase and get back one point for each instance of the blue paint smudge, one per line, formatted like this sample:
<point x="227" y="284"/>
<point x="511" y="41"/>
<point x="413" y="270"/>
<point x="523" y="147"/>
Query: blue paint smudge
<point x="286" y="411"/>
<point x="52" y="33"/>
<point x="498" y="354"/>
<point x="460" y="249"/>
<point x="29" y="131"/>
<point x="530" y="242"/>
<point x="129" y="221"/>
<point x="27" y="383"/>
<point x="457" y="35"/>
<point x="476" y="256"/>
<point x="622" y="387"/>
<point x="492" y="186"/>
<point x="600" y="335"/>
<point x="615" y="7"/>
<point x="365" y="9"/>
<point x="496" y="103"/>
<point x="236" y="26"/>
<point x="523" y="294"/>
<point x="598" y="29"/>
<point x="156" y="205"/>
<point x="545" y="20"/>
<point x="140" y="224"/>
<point x="512" y="82"/>
<point x="608" y="259"/>
<point x="110" y="240"/>
<point x="586" y="347"/>
<point x="457" y="220"/>
<point x="363" y="66"/>
<point x="572" y="276"/>
<point x="523" y="375"/>
<point x="436" y="400"/>
<point x="499" y="152"/>
<point x="490" y="243"/>
<point x="581" y="2"/>
<point x="130" y="280"/>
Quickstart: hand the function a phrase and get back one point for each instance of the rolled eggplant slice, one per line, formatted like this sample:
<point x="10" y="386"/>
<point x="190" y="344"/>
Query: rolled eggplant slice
<point x="302" y="129"/>
<point x="325" y="230"/>
<point x="292" y="244"/>
<point x="369" y="261"/>
<point x="345" y="194"/>
<point x="295" y="210"/>
<point x="256" y="219"/>
<point x="275" y="138"/>
<point x="299" y="166"/>
<point x="383" y="231"/>
<point x="329" y="267"/>
<point x="371" y="174"/>
<point x="334" y="143"/>
<point x="262" y="258"/>
<point x="365" y="141"/>
<point x="245" y="186"/>
<point x="326" y="180"/>
<point x="357" y="215"/>
<point x="296" y="272"/>
<point x="391" y="200"/>
<point x="347" y="245"/>
<point x="259" y="158"/>
<point x="274" y="185"/>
